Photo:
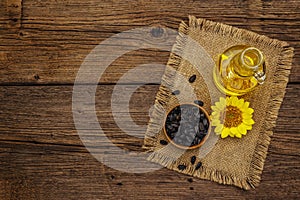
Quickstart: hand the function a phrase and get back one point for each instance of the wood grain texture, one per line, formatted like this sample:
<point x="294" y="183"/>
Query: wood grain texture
<point x="43" y="44"/>
<point x="55" y="36"/>
<point x="41" y="152"/>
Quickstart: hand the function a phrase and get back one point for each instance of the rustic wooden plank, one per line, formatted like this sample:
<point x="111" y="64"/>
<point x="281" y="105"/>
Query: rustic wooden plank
<point x="42" y="156"/>
<point x="44" y="113"/>
<point x="36" y="171"/>
<point x="12" y="10"/>
<point x="42" y="170"/>
<point x="44" y="42"/>
<point x="32" y="171"/>
<point x="56" y="36"/>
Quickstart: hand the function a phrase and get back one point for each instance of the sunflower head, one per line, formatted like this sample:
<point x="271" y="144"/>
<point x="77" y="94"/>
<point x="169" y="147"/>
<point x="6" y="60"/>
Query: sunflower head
<point x="232" y="117"/>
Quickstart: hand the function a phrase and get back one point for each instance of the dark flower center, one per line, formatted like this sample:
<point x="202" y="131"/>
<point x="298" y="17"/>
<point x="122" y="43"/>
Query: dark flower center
<point x="231" y="117"/>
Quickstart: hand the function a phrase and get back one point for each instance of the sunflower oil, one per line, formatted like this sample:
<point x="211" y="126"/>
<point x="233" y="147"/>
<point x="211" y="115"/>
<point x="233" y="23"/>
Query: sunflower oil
<point x="240" y="69"/>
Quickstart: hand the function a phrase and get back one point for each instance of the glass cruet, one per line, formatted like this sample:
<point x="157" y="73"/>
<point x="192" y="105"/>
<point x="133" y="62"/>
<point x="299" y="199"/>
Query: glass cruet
<point x="240" y="69"/>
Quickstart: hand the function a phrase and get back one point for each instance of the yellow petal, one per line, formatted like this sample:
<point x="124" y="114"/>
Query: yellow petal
<point x="225" y="132"/>
<point x="215" y="108"/>
<point x="219" y="128"/>
<point x="231" y="134"/>
<point x="220" y="106"/>
<point x="246" y="116"/>
<point x="238" y="135"/>
<point x="234" y="100"/>
<point x="248" y="127"/>
<point x="228" y="101"/>
<point x="248" y="110"/>
<point x="215" y="122"/>
<point x="240" y="103"/>
<point x="248" y="121"/>
<point x="223" y="101"/>
<point x="246" y="105"/>
<point x="234" y="130"/>
<point x="242" y="129"/>
<point x="214" y="113"/>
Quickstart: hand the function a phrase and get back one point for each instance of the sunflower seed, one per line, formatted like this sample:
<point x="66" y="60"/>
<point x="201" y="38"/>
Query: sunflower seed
<point x="192" y="78"/>
<point x="190" y="180"/>
<point x="188" y="123"/>
<point x="198" y="102"/>
<point x="181" y="167"/>
<point x="201" y="127"/>
<point x="205" y="122"/>
<point x="193" y="159"/>
<point x="199" y="164"/>
<point x="163" y="142"/>
<point x="176" y="92"/>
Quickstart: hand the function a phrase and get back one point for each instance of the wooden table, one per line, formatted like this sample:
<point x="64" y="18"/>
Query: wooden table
<point x="43" y="44"/>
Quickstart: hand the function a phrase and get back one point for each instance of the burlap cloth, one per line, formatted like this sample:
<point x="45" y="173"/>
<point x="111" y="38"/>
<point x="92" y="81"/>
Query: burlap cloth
<point x="231" y="161"/>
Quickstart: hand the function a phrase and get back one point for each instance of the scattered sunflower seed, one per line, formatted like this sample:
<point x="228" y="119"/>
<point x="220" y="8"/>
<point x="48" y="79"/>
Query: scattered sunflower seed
<point x="192" y="78"/>
<point x="193" y="159"/>
<point x="199" y="164"/>
<point x="198" y="102"/>
<point x="163" y="142"/>
<point x="181" y="167"/>
<point x="176" y="92"/>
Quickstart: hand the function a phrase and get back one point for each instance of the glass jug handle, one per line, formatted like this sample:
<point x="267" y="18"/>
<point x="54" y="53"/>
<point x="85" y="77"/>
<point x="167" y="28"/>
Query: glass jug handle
<point x="260" y="75"/>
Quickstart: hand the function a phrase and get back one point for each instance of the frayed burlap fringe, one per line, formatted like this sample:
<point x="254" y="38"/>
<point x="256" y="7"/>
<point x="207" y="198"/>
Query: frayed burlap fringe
<point x="278" y="91"/>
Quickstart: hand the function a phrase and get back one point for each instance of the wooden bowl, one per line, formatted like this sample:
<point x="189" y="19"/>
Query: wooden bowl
<point x="202" y="141"/>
